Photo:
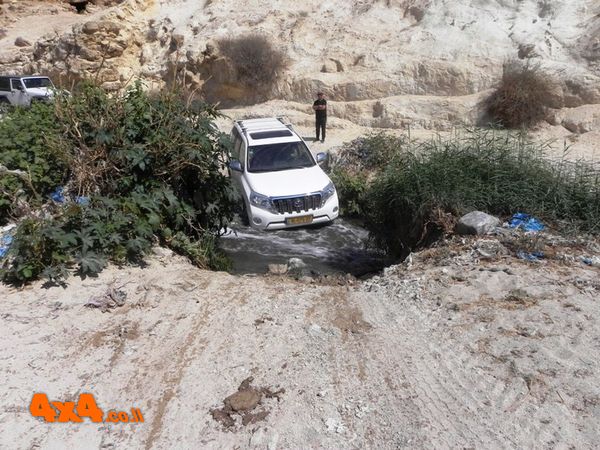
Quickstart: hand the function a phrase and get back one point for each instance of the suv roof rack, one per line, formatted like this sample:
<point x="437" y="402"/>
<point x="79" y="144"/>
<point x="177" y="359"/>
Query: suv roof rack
<point x="263" y="126"/>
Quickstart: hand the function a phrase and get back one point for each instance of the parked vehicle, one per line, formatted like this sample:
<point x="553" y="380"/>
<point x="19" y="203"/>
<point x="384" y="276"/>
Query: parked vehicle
<point x="281" y="183"/>
<point x="21" y="91"/>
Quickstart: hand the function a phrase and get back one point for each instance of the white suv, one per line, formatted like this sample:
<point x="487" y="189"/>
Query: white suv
<point x="281" y="183"/>
<point x="21" y="91"/>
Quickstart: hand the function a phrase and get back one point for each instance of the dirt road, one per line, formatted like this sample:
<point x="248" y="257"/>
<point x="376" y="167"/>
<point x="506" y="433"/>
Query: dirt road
<point x="446" y="353"/>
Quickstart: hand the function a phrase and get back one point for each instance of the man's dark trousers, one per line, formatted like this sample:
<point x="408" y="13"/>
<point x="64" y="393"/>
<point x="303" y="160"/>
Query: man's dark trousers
<point x="321" y="124"/>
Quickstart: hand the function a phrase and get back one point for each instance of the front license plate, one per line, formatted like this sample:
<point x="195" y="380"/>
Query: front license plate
<point x="300" y="220"/>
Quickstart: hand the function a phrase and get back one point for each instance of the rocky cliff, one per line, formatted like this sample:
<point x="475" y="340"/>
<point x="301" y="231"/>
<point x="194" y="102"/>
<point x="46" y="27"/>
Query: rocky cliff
<point x="383" y="63"/>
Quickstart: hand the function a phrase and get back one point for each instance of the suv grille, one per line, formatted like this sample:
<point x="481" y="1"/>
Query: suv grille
<point x="297" y="204"/>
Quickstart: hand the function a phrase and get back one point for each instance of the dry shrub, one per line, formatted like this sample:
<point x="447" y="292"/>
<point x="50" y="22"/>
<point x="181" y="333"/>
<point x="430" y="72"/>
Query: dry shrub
<point x="523" y="96"/>
<point x="256" y="62"/>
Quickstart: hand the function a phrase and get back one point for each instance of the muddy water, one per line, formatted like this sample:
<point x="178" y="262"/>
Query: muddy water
<point x="331" y="249"/>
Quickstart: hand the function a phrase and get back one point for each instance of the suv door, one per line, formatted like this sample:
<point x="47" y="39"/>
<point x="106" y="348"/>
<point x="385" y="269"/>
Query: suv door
<point x="17" y="95"/>
<point x="237" y="155"/>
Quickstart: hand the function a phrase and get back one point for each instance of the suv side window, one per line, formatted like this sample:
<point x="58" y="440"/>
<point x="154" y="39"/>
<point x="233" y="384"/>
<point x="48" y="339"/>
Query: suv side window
<point x="242" y="152"/>
<point x="16" y="84"/>
<point x="237" y="143"/>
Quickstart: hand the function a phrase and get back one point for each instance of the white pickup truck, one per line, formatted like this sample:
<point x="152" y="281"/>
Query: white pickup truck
<point x="21" y="91"/>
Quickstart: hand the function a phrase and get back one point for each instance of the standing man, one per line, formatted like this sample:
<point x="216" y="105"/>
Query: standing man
<point x="320" y="107"/>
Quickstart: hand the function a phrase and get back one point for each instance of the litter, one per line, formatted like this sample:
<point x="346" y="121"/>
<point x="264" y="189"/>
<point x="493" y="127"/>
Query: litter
<point x="58" y="195"/>
<point x="533" y="256"/>
<point x="84" y="201"/>
<point x="526" y="222"/>
<point x="111" y="298"/>
<point x="5" y="242"/>
<point x="593" y="261"/>
<point x="6" y="239"/>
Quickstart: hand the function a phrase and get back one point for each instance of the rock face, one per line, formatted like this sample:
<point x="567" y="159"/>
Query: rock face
<point x="476" y="222"/>
<point x="383" y="63"/>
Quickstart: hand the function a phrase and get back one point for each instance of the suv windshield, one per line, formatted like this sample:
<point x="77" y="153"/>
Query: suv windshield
<point x="37" y="82"/>
<point x="283" y="156"/>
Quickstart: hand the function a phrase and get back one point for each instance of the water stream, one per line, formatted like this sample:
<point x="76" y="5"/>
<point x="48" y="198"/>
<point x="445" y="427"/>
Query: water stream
<point x="332" y="249"/>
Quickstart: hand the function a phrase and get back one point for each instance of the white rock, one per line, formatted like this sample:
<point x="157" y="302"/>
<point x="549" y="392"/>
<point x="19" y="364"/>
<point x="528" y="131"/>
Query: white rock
<point x="476" y="222"/>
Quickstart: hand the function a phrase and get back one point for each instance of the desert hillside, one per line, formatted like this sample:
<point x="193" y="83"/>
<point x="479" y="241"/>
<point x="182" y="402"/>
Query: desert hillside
<point x="394" y="64"/>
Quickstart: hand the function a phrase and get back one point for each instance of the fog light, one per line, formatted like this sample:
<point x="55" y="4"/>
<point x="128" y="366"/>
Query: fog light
<point x="335" y="209"/>
<point x="257" y="220"/>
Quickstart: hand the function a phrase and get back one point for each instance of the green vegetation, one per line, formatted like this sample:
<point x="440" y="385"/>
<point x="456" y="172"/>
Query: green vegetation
<point x="25" y="140"/>
<point x="522" y="98"/>
<point x="357" y="163"/>
<point x="414" y="196"/>
<point x="137" y="169"/>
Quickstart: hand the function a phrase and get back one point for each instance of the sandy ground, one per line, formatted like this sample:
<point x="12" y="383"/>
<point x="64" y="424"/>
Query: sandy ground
<point x="560" y="142"/>
<point x="50" y="17"/>
<point x="448" y="350"/>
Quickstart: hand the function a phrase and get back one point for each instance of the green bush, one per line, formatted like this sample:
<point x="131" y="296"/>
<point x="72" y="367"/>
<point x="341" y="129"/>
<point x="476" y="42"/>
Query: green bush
<point x="370" y="153"/>
<point x="357" y="163"/>
<point x="408" y="202"/>
<point x="522" y="98"/>
<point x="26" y="143"/>
<point x="351" y="187"/>
<point x="143" y="169"/>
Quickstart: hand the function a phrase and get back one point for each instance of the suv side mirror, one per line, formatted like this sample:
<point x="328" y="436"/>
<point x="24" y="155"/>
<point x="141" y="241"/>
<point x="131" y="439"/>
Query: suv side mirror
<point x="321" y="157"/>
<point x="234" y="164"/>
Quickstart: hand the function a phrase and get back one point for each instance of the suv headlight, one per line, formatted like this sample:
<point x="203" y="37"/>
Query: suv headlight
<point x="261" y="201"/>
<point x="327" y="193"/>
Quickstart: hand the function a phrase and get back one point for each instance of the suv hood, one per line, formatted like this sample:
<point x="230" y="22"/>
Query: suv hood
<point x="288" y="182"/>
<point x="40" y="92"/>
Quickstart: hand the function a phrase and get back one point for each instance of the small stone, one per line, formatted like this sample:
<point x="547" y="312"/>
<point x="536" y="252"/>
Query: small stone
<point x="334" y="425"/>
<point x="22" y="42"/>
<point x="223" y="417"/>
<point x="278" y="269"/>
<point x="314" y="330"/>
<point x="296" y="264"/>
<point x="244" y="400"/>
<point x="476" y="222"/>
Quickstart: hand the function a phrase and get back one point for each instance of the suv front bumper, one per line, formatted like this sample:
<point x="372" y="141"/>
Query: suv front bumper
<point x="265" y="220"/>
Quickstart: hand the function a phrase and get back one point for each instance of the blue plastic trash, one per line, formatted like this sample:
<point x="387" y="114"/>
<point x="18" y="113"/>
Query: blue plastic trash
<point x="533" y="256"/>
<point x="58" y="196"/>
<point x="5" y="242"/>
<point x="82" y="200"/>
<point x="526" y="222"/>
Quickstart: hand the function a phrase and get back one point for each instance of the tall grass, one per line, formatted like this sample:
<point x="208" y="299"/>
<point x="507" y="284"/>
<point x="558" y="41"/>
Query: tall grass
<point x="411" y="200"/>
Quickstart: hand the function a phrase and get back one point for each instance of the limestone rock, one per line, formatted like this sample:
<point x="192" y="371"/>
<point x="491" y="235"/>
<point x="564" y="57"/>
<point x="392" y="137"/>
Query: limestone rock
<point x="476" y="222"/>
<point x="278" y="269"/>
<point x="582" y="119"/>
<point x="105" y="26"/>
